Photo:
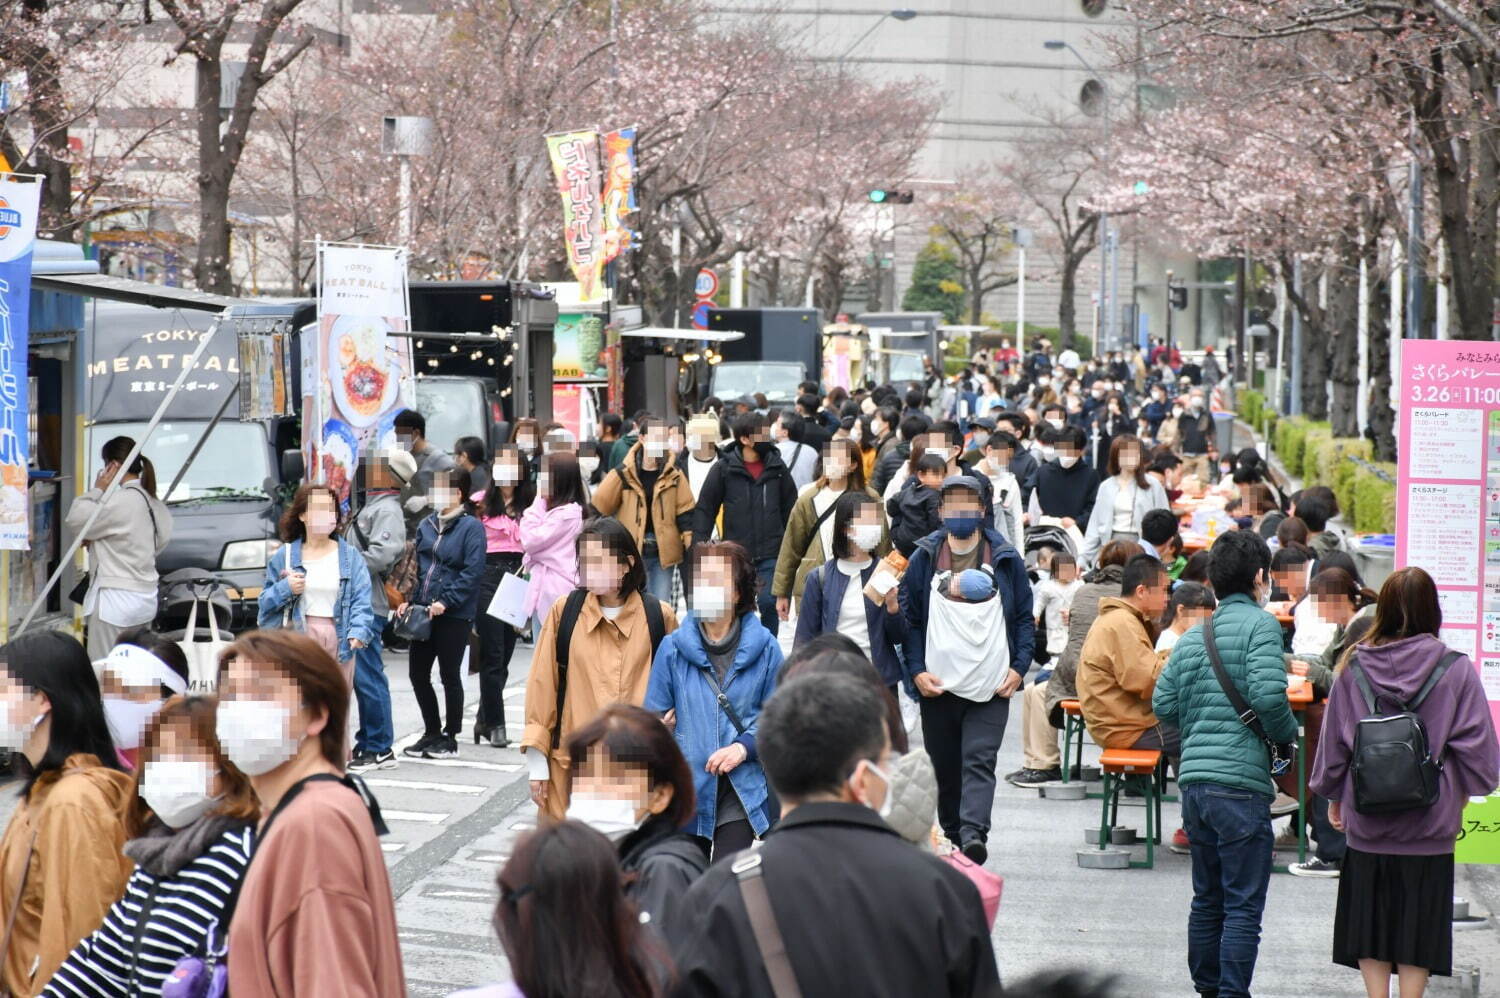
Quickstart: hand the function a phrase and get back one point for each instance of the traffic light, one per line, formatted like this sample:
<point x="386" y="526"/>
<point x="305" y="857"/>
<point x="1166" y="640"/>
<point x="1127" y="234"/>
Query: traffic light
<point x="884" y="195"/>
<point x="1178" y="298"/>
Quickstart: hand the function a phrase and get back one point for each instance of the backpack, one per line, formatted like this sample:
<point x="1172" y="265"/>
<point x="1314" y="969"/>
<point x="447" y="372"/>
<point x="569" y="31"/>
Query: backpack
<point x="1392" y="763"/>
<point x="656" y="627"/>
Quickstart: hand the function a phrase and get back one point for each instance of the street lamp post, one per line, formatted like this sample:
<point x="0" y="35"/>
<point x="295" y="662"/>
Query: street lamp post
<point x="1109" y="259"/>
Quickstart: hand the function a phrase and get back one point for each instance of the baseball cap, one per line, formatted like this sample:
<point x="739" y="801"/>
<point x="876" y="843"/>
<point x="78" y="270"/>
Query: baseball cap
<point x="961" y="482"/>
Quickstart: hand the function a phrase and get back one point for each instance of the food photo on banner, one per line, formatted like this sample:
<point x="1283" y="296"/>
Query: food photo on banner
<point x="619" y="191"/>
<point x="575" y="164"/>
<point x="20" y="195"/>
<point x="361" y="373"/>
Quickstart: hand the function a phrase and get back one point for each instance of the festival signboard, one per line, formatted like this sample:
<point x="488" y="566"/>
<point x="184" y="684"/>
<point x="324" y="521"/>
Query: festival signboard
<point x="619" y="191"/>
<point x="575" y="164"/>
<point x="20" y="197"/>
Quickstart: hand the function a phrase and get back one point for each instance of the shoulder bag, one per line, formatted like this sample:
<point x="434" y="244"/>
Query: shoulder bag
<point x="1282" y="755"/>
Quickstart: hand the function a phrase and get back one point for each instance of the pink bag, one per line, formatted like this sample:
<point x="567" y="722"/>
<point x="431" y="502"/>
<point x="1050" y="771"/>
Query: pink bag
<point x="990" y="885"/>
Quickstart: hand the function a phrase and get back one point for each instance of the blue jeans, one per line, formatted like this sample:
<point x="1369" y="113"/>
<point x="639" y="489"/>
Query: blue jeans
<point x="658" y="579"/>
<point x="373" y="694"/>
<point x="765" y="570"/>
<point x="1230" y="833"/>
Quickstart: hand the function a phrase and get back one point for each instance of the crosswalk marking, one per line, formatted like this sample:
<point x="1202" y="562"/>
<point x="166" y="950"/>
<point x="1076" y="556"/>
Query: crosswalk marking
<point x="452" y="788"/>
<point x="523" y="825"/>
<point x="427" y="817"/>
<point x="392" y="846"/>
<point x="493" y="767"/>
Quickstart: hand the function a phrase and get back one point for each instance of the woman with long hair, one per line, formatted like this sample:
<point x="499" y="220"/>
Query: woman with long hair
<point x="1394" y="912"/>
<point x="318" y="582"/>
<point x="612" y="627"/>
<point x="315" y="914"/>
<point x="549" y="535"/>
<point x="500" y="511"/>
<point x="810" y="533"/>
<point x="450" y="564"/>
<point x="709" y="681"/>
<point x="60" y="861"/>
<point x="191" y="824"/>
<point x="555" y="873"/>
<point x="1124" y="498"/>
<point x="132" y="528"/>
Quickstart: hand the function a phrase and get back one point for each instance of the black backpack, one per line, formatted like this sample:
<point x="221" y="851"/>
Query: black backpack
<point x="1393" y="765"/>
<point x="656" y="630"/>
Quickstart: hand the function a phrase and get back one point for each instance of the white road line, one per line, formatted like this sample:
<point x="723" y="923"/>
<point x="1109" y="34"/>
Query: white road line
<point x="459" y="893"/>
<point x="515" y="691"/>
<point x="452" y="788"/>
<point x="392" y="846"/>
<point x="426" y="817"/>
<point x="493" y="767"/>
<point x="523" y="826"/>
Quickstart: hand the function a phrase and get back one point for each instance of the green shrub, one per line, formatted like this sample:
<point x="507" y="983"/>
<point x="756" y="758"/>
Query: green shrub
<point x="1374" y="502"/>
<point x="954" y="365"/>
<point x="1319" y="455"/>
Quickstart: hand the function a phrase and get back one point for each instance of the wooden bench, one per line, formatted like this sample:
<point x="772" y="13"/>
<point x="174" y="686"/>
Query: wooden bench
<point x="1073" y="726"/>
<point x="1143" y="768"/>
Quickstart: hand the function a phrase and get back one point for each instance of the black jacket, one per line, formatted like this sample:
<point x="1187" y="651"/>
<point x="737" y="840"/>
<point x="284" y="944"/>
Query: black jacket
<point x="1067" y="491"/>
<point x="890" y="465"/>
<point x="756" y="512"/>
<point x="1024" y="466"/>
<point x="913" y="514"/>
<point x="862" y="913"/>
<point x="660" y="864"/>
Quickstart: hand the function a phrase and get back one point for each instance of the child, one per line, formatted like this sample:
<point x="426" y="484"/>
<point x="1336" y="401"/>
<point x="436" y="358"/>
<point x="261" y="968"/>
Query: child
<point x="914" y="510"/>
<point x="1191" y="604"/>
<point x="1053" y="596"/>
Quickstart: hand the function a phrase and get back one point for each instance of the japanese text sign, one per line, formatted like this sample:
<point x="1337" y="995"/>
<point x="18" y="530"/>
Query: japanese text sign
<point x="19" y="199"/>
<point x="575" y="164"/>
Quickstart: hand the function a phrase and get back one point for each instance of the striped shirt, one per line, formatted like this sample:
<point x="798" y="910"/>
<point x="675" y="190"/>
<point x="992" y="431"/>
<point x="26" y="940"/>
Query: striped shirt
<point x="177" y="922"/>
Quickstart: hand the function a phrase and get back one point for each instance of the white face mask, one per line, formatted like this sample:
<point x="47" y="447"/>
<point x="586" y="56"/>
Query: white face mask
<point x="1055" y="423"/>
<point x="609" y="816"/>
<point x="254" y="735"/>
<point x="696" y="441"/>
<point x="656" y="449"/>
<point x="13" y="734"/>
<point x="1068" y="460"/>
<point x="526" y="445"/>
<point x="889" y="803"/>
<point x="128" y="719"/>
<point x="866" y="536"/>
<point x="544" y="485"/>
<point x="588" y="465"/>
<point x="709" y="601"/>
<point x="836" y="469"/>
<point x="507" y="474"/>
<point x="1048" y="453"/>
<point x="177" y="790"/>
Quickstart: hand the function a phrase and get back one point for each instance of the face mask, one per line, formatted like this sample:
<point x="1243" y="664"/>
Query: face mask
<point x="1098" y="393"/>
<point x="127" y="719"/>
<point x="609" y="816"/>
<point x="980" y="439"/>
<point x="696" y="441"/>
<point x="1196" y="405"/>
<point x="710" y="602"/>
<point x="656" y="449"/>
<point x="526" y="445"/>
<point x="1044" y="382"/>
<point x="1262" y="592"/>
<point x="836" y="469"/>
<point x="588" y="465"/>
<point x="1068" y="460"/>
<point x="544" y="485"/>
<point x="878" y="429"/>
<point x="1048" y="453"/>
<point x="320" y="524"/>
<point x="1054" y="422"/>
<point x="507" y="474"/>
<point x="176" y="790"/>
<point x="602" y="581"/>
<point x="254" y="736"/>
<point x="962" y="525"/>
<point x="866" y="536"/>
<point x="13" y="735"/>
<point x="889" y="803"/>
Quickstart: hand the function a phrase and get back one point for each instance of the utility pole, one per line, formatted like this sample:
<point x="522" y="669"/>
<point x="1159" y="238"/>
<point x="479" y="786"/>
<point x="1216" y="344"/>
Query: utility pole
<point x="1415" y="276"/>
<point x="1168" y="342"/>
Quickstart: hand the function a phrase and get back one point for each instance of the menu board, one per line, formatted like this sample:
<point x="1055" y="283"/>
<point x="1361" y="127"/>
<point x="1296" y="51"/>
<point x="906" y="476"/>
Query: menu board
<point x="1448" y="490"/>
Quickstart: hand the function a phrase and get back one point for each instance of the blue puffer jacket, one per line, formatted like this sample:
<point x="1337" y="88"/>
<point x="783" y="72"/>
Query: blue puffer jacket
<point x="1010" y="580"/>
<point x="679" y="682"/>
<point x="352" y="613"/>
<point x="450" y="563"/>
<point x="1216" y="746"/>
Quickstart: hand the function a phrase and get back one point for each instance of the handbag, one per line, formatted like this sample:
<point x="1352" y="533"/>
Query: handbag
<point x="203" y="656"/>
<point x="414" y="623"/>
<point x="990" y="885"/>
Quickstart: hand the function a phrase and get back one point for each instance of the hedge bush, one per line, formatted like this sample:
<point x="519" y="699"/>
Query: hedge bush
<point x="1374" y="501"/>
<point x="1310" y="451"/>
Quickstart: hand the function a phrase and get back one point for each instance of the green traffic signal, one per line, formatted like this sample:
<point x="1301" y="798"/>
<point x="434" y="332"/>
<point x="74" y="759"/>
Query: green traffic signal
<point x="878" y="196"/>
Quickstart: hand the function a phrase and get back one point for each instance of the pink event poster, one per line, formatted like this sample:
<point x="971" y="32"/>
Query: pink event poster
<point x="1448" y="492"/>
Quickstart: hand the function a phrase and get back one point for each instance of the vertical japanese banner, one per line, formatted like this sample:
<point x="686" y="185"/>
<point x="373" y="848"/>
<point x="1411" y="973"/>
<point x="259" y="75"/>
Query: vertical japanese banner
<point x="575" y="164"/>
<point x="20" y="196"/>
<point x="619" y="191"/>
<point x="362" y="376"/>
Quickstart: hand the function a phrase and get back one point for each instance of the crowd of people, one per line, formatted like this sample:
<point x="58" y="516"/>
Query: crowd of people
<point x="738" y="626"/>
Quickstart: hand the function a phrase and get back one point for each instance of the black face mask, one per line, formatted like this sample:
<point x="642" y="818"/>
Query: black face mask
<point x="764" y="447"/>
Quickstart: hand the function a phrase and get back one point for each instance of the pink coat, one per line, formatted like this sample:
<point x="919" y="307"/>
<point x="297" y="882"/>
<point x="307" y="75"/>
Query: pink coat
<point x="550" y="538"/>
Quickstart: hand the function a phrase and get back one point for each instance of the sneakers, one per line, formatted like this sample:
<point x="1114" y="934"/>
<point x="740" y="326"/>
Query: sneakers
<point x="418" y="749"/>
<point x="1315" y="868"/>
<point x="441" y="748"/>
<point x="1179" y="843"/>
<point x="366" y="761"/>
<point x="1284" y="804"/>
<point x="975" y="850"/>
<point x="1033" y="778"/>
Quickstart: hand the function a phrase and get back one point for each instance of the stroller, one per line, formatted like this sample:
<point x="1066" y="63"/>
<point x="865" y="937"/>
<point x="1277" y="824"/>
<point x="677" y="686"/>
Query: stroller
<point x="194" y="610"/>
<point x="1049" y="534"/>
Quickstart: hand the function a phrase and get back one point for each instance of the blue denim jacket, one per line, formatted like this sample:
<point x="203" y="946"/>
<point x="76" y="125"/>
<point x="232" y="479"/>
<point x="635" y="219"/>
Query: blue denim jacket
<point x="352" y="615"/>
<point x="678" y="681"/>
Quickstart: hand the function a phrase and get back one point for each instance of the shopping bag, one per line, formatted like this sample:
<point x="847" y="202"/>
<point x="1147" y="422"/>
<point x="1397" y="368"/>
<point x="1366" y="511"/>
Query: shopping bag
<point x="203" y="656"/>
<point x="509" y="601"/>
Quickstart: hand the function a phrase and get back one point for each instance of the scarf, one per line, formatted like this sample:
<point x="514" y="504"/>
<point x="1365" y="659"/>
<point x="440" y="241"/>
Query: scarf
<point x="163" y="851"/>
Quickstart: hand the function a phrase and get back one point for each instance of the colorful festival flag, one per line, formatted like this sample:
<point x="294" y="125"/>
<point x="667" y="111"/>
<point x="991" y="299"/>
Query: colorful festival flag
<point x="575" y="164"/>
<point x="619" y="191"/>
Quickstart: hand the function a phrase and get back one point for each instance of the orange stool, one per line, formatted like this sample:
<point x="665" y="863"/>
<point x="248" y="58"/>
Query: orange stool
<point x="1073" y="726"/>
<point x="1143" y="768"/>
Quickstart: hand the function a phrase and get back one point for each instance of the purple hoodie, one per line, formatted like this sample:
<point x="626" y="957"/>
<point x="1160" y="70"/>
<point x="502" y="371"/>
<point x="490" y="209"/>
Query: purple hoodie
<point x="1460" y="734"/>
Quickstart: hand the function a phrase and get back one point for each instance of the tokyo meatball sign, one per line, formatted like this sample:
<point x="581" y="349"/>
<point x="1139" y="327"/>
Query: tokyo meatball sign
<point x="361" y="373"/>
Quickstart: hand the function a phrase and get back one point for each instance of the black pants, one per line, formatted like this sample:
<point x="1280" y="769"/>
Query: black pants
<point x="497" y="643"/>
<point x="450" y="637"/>
<point x="963" y="738"/>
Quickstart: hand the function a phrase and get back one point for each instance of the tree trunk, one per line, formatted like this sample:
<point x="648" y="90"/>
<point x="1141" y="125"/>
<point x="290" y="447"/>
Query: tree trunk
<point x="1343" y="328"/>
<point x="211" y="270"/>
<point x="1067" y="309"/>
<point x="1313" y="357"/>
<point x="1382" y="417"/>
<point x="47" y="108"/>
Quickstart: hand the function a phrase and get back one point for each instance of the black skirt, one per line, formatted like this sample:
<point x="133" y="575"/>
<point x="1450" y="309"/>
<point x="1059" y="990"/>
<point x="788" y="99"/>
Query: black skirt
<point x="1395" y="909"/>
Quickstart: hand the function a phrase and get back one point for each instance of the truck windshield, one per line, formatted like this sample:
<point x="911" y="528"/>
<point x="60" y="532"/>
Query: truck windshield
<point x="233" y="463"/>
<point x="453" y="409"/>
<point x="906" y="367"/>
<point x="777" y="380"/>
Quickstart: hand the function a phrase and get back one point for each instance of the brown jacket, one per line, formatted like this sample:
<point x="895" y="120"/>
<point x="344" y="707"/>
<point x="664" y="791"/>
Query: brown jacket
<point x="1117" y="672"/>
<point x="622" y="496"/>
<point x="315" y="915"/>
<point x="609" y="662"/>
<point x="76" y="867"/>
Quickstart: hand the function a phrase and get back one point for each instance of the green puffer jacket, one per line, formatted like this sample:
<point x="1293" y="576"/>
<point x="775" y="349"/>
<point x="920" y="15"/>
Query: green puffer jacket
<point x="1216" y="747"/>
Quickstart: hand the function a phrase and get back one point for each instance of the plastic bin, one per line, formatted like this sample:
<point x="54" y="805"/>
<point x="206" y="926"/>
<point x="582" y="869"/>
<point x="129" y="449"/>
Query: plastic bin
<point x="1224" y="433"/>
<point x="1375" y="554"/>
